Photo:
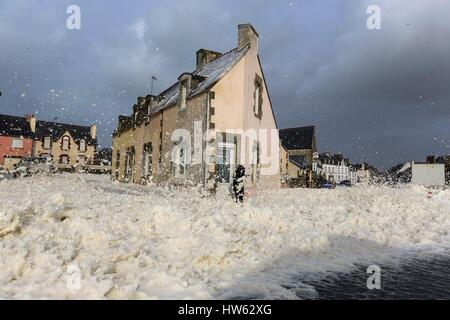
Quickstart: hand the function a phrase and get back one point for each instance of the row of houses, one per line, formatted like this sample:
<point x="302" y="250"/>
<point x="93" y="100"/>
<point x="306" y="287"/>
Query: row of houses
<point x="196" y="132"/>
<point x="213" y="119"/>
<point x="66" y="145"/>
<point x="299" y="159"/>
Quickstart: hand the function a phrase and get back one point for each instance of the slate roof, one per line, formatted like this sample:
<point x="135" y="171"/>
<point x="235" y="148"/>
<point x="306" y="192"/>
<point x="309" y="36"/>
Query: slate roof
<point x="19" y="127"/>
<point x="299" y="161"/>
<point x="45" y="128"/>
<point x="14" y="127"/>
<point x="212" y="72"/>
<point x="297" y="138"/>
<point x="334" y="159"/>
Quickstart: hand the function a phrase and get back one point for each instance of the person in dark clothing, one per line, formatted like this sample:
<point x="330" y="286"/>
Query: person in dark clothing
<point x="238" y="184"/>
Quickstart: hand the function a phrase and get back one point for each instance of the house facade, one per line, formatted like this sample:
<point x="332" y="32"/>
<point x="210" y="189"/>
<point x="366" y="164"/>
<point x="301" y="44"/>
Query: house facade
<point x="16" y="140"/>
<point x="336" y="168"/>
<point x="199" y="129"/>
<point x="67" y="145"/>
<point x="298" y="146"/>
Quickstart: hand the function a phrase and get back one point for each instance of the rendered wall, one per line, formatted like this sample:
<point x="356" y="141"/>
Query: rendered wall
<point x="428" y="174"/>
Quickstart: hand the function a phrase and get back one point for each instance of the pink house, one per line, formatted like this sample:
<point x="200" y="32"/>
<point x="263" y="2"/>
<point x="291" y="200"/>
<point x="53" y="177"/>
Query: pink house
<point x="15" y="140"/>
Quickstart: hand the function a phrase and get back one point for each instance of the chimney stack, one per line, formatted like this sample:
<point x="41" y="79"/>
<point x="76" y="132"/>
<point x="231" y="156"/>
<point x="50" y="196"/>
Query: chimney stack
<point x="94" y="131"/>
<point x="247" y="35"/>
<point x="431" y="159"/>
<point x="206" y="56"/>
<point x="32" y="121"/>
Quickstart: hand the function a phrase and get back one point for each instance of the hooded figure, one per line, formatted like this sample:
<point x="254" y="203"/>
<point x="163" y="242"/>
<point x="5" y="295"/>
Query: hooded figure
<point x="238" y="184"/>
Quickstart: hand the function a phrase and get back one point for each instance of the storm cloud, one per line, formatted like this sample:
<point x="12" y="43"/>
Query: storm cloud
<point x="375" y="95"/>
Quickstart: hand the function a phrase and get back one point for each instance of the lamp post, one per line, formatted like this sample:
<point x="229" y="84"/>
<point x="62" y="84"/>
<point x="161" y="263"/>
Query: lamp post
<point x="151" y="88"/>
<point x="51" y="137"/>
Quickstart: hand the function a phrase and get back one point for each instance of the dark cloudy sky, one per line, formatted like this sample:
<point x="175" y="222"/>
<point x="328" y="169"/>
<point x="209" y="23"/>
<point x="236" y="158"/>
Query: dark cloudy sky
<point x="381" y="96"/>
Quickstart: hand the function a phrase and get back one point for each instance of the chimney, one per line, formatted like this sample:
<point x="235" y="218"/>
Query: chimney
<point x="32" y="121"/>
<point x="206" y="56"/>
<point x="93" y="131"/>
<point x="431" y="159"/>
<point x="247" y="35"/>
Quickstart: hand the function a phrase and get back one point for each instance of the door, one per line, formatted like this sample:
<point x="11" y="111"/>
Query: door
<point x="225" y="162"/>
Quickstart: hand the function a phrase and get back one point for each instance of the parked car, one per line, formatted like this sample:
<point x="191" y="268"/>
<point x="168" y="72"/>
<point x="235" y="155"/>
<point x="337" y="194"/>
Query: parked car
<point x="327" y="185"/>
<point x="345" y="183"/>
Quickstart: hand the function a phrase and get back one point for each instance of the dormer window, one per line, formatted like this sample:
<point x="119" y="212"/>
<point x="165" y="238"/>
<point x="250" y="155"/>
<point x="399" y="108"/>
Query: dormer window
<point x="185" y="87"/>
<point x="183" y="94"/>
<point x="82" y="145"/>
<point x="65" y="145"/>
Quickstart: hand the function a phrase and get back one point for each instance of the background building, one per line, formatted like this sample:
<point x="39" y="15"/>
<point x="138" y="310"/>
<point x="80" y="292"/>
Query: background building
<point x="66" y="145"/>
<point x="300" y="144"/>
<point x="336" y="168"/>
<point x="16" y="140"/>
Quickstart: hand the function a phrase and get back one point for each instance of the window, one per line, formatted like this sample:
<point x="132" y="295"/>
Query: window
<point x="256" y="167"/>
<point x="146" y="161"/>
<point x="82" y="145"/>
<point x="118" y="159"/>
<point x="117" y="174"/>
<point x="182" y="162"/>
<point x="183" y="94"/>
<point x="65" y="145"/>
<point x="225" y="161"/>
<point x="64" y="159"/>
<point x="17" y="143"/>
<point x="129" y="165"/>
<point x="82" y="160"/>
<point x="47" y="143"/>
<point x="257" y="105"/>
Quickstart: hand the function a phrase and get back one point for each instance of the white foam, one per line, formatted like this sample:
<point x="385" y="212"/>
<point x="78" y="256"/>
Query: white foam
<point x="134" y="242"/>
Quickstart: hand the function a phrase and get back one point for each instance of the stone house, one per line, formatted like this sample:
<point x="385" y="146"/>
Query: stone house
<point x="199" y="129"/>
<point x="68" y="145"/>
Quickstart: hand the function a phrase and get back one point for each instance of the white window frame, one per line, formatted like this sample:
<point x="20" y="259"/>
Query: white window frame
<point x="65" y="139"/>
<point x="232" y="148"/>
<point x="47" y="143"/>
<point x="64" y="157"/>
<point x="17" y="143"/>
<point x="84" y="160"/>
<point x="82" y="145"/>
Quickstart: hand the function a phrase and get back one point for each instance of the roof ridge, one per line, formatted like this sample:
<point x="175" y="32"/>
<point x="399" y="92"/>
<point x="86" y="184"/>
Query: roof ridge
<point x="64" y="124"/>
